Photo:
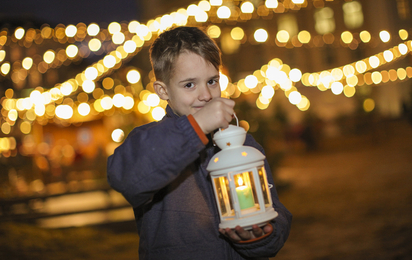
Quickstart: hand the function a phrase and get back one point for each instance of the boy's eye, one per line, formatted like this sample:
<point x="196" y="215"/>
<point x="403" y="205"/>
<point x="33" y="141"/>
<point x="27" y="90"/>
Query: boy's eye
<point x="189" y="85"/>
<point x="212" y="81"/>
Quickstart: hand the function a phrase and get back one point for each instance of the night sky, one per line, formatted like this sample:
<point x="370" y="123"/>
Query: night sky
<point x="18" y="12"/>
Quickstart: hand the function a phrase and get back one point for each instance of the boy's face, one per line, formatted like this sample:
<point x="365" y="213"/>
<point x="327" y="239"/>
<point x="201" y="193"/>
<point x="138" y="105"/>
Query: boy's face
<point x="194" y="82"/>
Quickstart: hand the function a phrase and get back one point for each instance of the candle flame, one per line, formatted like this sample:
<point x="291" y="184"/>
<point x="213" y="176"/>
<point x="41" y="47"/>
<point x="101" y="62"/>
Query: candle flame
<point x="240" y="181"/>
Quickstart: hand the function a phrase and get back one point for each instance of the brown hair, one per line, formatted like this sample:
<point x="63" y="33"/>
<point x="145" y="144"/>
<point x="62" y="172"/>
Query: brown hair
<point x="166" y="48"/>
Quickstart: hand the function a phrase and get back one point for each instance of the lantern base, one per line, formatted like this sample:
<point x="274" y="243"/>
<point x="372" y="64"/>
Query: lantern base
<point x="247" y="222"/>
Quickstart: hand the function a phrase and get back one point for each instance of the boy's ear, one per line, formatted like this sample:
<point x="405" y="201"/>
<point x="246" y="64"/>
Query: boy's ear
<point x="161" y="89"/>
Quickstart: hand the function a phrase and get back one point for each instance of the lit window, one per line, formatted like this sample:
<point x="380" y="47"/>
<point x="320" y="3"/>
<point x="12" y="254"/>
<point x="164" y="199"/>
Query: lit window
<point x="324" y="20"/>
<point x="352" y="14"/>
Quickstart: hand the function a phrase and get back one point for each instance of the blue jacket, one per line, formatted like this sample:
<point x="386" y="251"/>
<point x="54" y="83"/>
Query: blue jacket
<point x="161" y="170"/>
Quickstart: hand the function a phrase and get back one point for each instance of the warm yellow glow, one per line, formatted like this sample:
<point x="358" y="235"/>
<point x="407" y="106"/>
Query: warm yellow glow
<point x="388" y="55"/>
<point x="374" y="61"/>
<point x="66" y="88"/>
<point x="71" y="30"/>
<point x="304" y="36"/>
<point x="153" y="100"/>
<point x="361" y="66"/>
<point x="166" y="21"/>
<point x="223" y="12"/>
<point x="271" y="3"/>
<point x="128" y="103"/>
<point x="204" y="5"/>
<point x="64" y="111"/>
<point x="193" y="10"/>
<point x="132" y="27"/>
<point x="12" y="114"/>
<point x="352" y="80"/>
<point x="106" y="103"/>
<point x="282" y="36"/>
<point x="95" y="44"/>
<point x="118" y="38"/>
<point x="27" y="63"/>
<point x="348" y="70"/>
<point x="5" y="68"/>
<point x="49" y="56"/>
<point x="25" y="127"/>
<point x="376" y="77"/>
<point x="114" y="27"/>
<point x="118" y="100"/>
<point x="19" y="33"/>
<point x="88" y="86"/>
<point x="130" y="46"/>
<point x="133" y="76"/>
<point x="214" y="31"/>
<point x="142" y="31"/>
<point x="237" y="33"/>
<point x="295" y="97"/>
<point x="346" y="37"/>
<point x="216" y="2"/>
<point x="39" y="110"/>
<point x="72" y="50"/>
<point x="401" y="72"/>
<point x="385" y="36"/>
<point x="117" y="135"/>
<point x="6" y="128"/>
<point x="261" y="35"/>
<point x="2" y="55"/>
<point x="349" y="91"/>
<point x="247" y="7"/>
<point x="295" y="75"/>
<point x="337" y="74"/>
<point x="158" y="113"/>
<point x="304" y="104"/>
<point x="93" y="29"/>
<point x="251" y="81"/>
<point x="143" y="108"/>
<point x="223" y="81"/>
<point x="109" y="61"/>
<point x="365" y="36"/>
<point x="403" y="34"/>
<point x="83" y="109"/>
<point x="298" y="1"/>
<point x="337" y="88"/>
<point x="91" y="73"/>
<point x="403" y="49"/>
<point x="368" y="105"/>
<point x="268" y="91"/>
<point x="201" y="17"/>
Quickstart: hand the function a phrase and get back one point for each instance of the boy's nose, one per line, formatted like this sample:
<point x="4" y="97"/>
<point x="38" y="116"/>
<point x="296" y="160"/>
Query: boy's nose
<point x="205" y="94"/>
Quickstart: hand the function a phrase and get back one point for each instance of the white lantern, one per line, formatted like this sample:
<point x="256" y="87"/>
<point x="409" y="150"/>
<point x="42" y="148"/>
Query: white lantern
<point x="239" y="181"/>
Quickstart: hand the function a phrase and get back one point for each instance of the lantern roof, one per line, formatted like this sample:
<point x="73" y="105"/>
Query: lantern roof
<point x="233" y="154"/>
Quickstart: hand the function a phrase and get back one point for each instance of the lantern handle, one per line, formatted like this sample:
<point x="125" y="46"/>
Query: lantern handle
<point x="237" y="122"/>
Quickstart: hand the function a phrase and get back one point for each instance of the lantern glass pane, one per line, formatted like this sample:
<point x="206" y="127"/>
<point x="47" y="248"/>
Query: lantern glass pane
<point x="223" y="197"/>
<point x="245" y="190"/>
<point x="264" y="183"/>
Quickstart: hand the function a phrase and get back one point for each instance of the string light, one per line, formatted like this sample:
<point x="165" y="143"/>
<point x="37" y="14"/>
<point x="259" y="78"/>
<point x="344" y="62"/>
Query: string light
<point x="285" y="77"/>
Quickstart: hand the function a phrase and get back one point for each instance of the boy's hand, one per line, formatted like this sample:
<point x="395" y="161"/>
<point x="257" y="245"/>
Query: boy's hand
<point x="216" y="114"/>
<point x="239" y="234"/>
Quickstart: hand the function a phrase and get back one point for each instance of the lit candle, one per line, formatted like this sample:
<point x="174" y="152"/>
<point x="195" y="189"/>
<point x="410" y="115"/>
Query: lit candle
<point x="244" y="195"/>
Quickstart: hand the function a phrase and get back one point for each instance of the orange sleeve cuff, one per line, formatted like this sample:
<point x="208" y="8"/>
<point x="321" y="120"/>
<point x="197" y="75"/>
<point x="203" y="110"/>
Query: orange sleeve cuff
<point x="198" y="130"/>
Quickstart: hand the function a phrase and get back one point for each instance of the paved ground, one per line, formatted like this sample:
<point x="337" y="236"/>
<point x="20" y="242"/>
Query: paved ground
<point x="352" y="200"/>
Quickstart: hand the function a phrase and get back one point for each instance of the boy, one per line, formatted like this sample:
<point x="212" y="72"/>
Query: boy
<point x="161" y="167"/>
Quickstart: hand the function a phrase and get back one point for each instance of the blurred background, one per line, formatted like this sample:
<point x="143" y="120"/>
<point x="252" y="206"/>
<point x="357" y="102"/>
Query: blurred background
<point x="323" y="85"/>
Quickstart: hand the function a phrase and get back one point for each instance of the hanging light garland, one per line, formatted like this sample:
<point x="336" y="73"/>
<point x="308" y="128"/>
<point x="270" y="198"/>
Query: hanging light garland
<point x="127" y="42"/>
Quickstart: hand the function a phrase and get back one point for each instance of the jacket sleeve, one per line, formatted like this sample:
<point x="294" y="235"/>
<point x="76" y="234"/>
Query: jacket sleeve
<point x="151" y="157"/>
<point x="270" y="245"/>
